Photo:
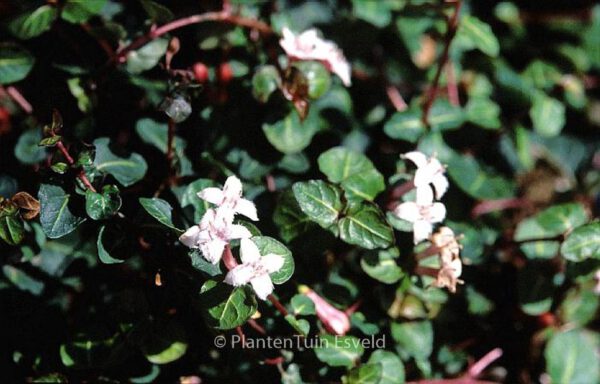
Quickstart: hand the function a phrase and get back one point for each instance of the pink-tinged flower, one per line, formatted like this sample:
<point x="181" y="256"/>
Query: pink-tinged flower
<point x="335" y="321"/>
<point x="229" y="199"/>
<point x="429" y="171"/>
<point x="255" y="269"/>
<point x="447" y="244"/>
<point x="212" y="235"/>
<point x="448" y="275"/>
<point x="423" y="213"/>
<point x="309" y="46"/>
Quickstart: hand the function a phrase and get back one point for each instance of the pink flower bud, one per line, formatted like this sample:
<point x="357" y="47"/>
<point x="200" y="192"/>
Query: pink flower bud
<point x="336" y="322"/>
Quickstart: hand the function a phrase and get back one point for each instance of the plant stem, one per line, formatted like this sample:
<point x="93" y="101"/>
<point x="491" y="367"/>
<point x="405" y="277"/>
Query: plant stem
<point x="450" y="33"/>
<point x="277" y="304"/>
<point x="18" y="98"/>
<point x="228" y="258"/>
<point x="81" y="175"/>
<point x="170" y="144"/>
<point x="488" y="206"/>
<point x="153" y="34"/>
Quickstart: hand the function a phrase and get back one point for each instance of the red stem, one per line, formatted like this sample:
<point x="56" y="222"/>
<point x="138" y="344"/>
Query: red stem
<point x="194" y="19"/>
<point x="277" y="304"/>
<point x="484" y="362"/>
<point x="396" y="98"/>
<point x="488" y="206"/>
<point x="451" y="32"/>
<point x="81" y="175"/>
<point x="228" y="259"/>
<point x="20" y="99"/>
<point x="453" y="96"/>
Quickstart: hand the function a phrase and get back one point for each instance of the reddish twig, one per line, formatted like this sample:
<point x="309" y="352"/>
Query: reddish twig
<point x="240" y="333"/>
<point x="155" y="33"/>
<point x="277" y="304"/>
<point x="450" y="33"/>
<point x="103" y="43"/>
<point x="452" y="87"/>
<point x="81" y="175"/>
<point x="395" y="98"/>
<point x="476" y="369"/>
<point x="488" y="206"/>
<point x="170" y="144"/>
<point x="19" y="99"/>
<point x="257" y="327"/>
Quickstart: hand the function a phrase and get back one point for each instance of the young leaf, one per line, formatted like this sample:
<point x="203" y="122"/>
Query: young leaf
<point x="103" y="205"/>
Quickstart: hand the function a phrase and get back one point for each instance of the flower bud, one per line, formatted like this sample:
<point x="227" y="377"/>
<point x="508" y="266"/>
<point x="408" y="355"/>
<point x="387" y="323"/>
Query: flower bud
<point x="336" y="322"/>
<point x="200" y="72"/>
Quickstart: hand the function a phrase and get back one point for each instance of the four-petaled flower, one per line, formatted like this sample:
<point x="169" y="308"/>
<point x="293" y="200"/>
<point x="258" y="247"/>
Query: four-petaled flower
<point x="212" y="235"/>
<point x="309" y="46"/>
<point x="255" y="269"/>
<point x="429" y="171"/>
<point x="423" y="213"/>
<point x="229" y="199"/>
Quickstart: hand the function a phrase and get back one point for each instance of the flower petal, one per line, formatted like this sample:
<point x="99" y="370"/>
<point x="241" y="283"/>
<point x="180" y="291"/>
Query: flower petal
<point x="424" y="196"/>
<point x="232" y="190"/>
<point x="249" y="252"/>
<point x="190" y="237"/>
<point x="408" y="211"/>
<point x="272" y="262"/>
<point x="263" y="286"/>
<point x="418" y="158"/>
<point x="237" y="231"/>
<point x="440" y="184"/>
<point x="421" y="230"/>
<point x="213" y="250"/>
<point x="212" y="195"/>
<point x="246" y="208"/>
<point x="437" y="213"/>
<point x="240" y="275"/>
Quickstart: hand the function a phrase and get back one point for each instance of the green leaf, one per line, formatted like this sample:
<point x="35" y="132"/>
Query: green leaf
<point x="22" y="280"/>
<point x="477" y="180"/>
<point x="302" y="305"/>
<point x="50" y="141"/>
<point x="548" y="224"/>
<point x="319" y="200"/>
<point x="392" y="368"/>
<point x="60" y="168"/>
<point x="267" y="245"/>
<point x="406" y="125"/>
<point x="77" y="11"/>
<point x="382" y="266"/>
<point x="582" y="243"/>
<point x="55" y="216"/>
<point x="445" y="116"/>
<point x="414" y="338"/>
<point x="365" y="225"/>
<point x="160" y="210"/>
<point x="483" y="112"/>
<point x="103" y="205"/>
<point x="27" y="150"/>
<point x="319" y="80"/>
<point x="547" y="115"/>
<point x="15" y="63"/>
<point x="290" y="135"/>
<point x="127" y="170"/>
<point x="103" y="253"/>
<point x="339" y="351"/>
<point x="354" y="171"/>
<point x="571" y="357"/>
<point x="190" y="197"/>
<point x="265" y="81"/>
<point x="12" y="229"/>
<point x="289" y="218"/>
<point x="146" y="57"/>
<point x="155" y="133"/>
<point x="157" y="12"/>
<point x="201" y="264"/>
<point x="227" y="307"/>
<point x="478" y="303"/>
<point x="32" y="24"/>
<point x="579" y="306"/>
<point x="364" y="374"/>
<point x="474" y="33"/>
<point x="377" y="13"/>
<point x="165" y="344"/>
<point x="300" y="325"/>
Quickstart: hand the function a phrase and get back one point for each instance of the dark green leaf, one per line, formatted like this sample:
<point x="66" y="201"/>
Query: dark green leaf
<point x="366" y="226"/>
<point x="103" y="253"/>
<point x="264" y="82"/>
<point x="268" y="245"/>
<point x="32" y="24"/>
<point x="227" y="307"/>
<point x="290" y="135"/>
<point x="103" y="205"/>
<point x="127" y="170"/>
<point x="77" y="11"/>
<point x="365" y="374"/>
<point x="406" y="125"/>
<point x="319" y="200"/>
<point x="339" y="351"/>
<point x="15" y="63"/>
<point x="582" y="243"/>
<point x="55" y="216"/>
<point x="160" y="210"/>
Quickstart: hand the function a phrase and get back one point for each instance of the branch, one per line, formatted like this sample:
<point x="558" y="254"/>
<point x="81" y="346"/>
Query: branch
<point x="222" y="16"/>
<point x="19" y="99"/>
<point x="488" y="206"/>
<point x="82" y="176"/>
<point x="277" y="304"/>
<point x="451" y="32"/>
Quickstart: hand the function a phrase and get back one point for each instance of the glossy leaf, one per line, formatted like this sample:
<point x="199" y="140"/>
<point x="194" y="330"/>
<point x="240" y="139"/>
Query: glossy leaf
<point x="583" y="243"/>
<point x="365" y="225"/>
<point x="127" y="170"/>
<point x="268" y="245"/>
<point x="227" y="307"/>
<point x="319" y="200"/>
<point x="160" y="210"/>
<point x="55" y="216"/>
<point x="15" y="63"/>
<point x="103" y="205"/>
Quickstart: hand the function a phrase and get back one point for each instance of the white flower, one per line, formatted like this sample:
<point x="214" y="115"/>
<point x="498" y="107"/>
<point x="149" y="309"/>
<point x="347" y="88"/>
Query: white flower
<point x="229" y="199"/>
<point x="212" y="235"/>
<point x="309" y="46"/>
<point x="423" y="213"/>
<point x="447" y="244"/>
<point x="255" y="269"/>
<point x="448" y="275"/>
<point x="429" y="171"/>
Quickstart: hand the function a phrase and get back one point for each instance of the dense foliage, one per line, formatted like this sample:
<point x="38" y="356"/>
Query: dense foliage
<point x="425" y="173"/>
